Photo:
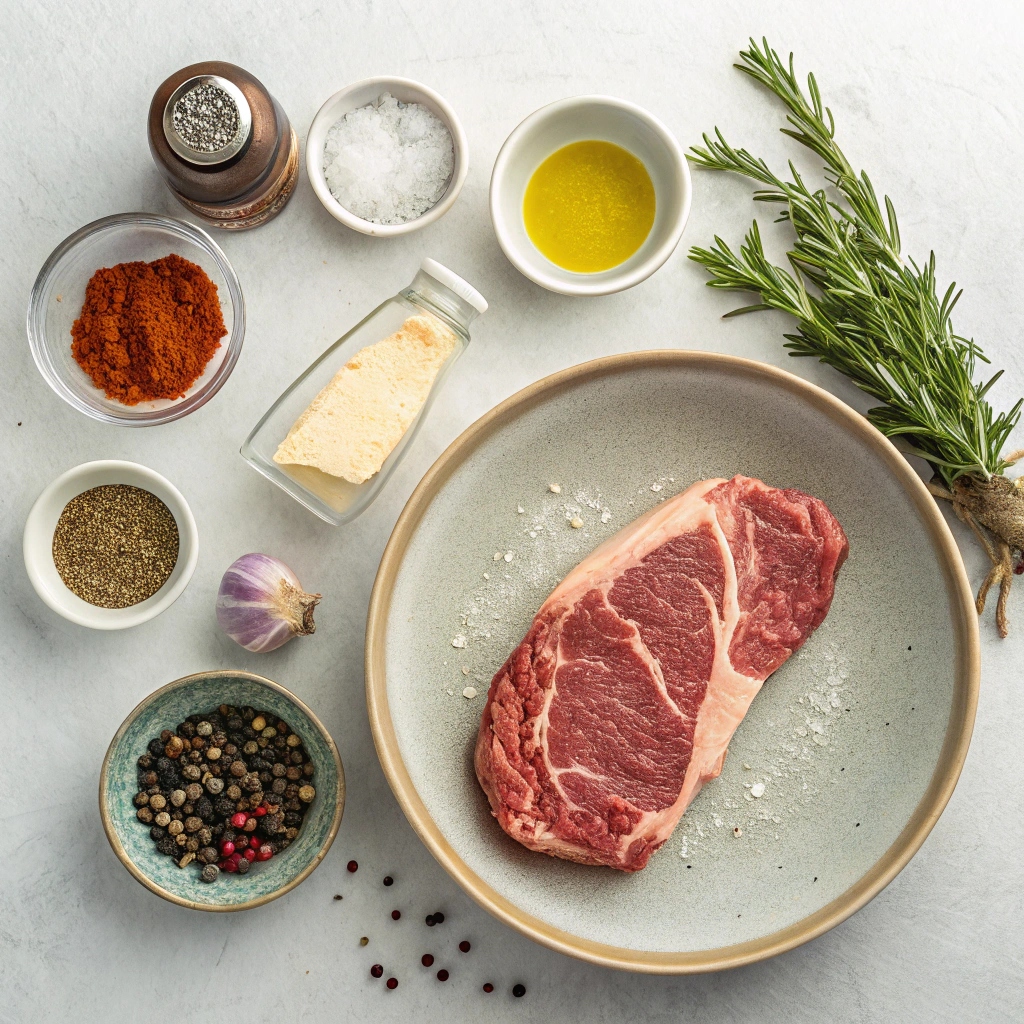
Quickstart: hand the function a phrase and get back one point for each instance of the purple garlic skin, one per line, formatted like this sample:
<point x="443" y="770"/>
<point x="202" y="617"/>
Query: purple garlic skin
<point x="261" y="604"/>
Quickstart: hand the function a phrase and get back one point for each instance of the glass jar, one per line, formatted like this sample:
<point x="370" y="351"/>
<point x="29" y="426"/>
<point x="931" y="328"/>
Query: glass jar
<point x="449" y="303"/>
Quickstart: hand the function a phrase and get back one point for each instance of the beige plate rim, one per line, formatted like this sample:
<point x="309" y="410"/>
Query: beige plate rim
<point x="951" y="756"/>
<point x="111" y="832"/>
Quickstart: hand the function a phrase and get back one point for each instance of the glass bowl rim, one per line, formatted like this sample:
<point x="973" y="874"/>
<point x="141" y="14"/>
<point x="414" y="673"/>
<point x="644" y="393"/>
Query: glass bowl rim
<point x="35" y="323"/>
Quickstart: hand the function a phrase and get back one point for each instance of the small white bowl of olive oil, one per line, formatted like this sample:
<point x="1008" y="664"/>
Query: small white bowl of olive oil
<point x="589" y="195"/>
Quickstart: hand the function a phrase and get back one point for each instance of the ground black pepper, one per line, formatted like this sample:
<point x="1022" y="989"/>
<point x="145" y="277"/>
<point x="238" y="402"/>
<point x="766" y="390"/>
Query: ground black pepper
<point x="181" y="767"/>
<point x="114" y="546"/>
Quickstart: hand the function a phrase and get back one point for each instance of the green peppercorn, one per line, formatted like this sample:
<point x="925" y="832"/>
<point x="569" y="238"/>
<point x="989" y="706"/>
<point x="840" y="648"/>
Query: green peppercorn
<point x="175" y="828"/>
<point x="194" y="824"/>
<point x="181" y="839"/>
<point x="158" y="802"/>
<point x="141" y="799"/>
<point x="207" y="855"/>
<point x="214" y="785"/>
<point x="293" y="740"/>
<point x="233" y="791"/>
<point x="193" y="791"/>
<point x="278" y="770"/>
<point x="192" y="844"/>
<point x="192" y="773"/>
<point x="213" y="753"/>
<point x="178" y="797"/>
<point x="163" y="819"/>
<point x="306" y="794"/>
<point x="293" y="773"/>
<point x="250" y="747"/>
<point x="210" y="873"/>
<point x="204" y="729"/>
<point x="144" y="814"/>
<point x="308" y="770"/>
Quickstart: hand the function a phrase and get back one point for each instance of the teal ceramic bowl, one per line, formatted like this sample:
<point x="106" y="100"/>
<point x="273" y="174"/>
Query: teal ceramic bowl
<point x="129" y="837"/>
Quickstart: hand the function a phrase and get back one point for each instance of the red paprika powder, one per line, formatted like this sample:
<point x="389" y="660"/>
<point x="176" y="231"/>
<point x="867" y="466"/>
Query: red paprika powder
<point x="147" y="330"/>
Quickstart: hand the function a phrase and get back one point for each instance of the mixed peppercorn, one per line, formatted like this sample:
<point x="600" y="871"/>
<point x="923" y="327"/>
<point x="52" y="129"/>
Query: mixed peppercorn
<point x="225" y="789"/>
<point x="427" y="959"/>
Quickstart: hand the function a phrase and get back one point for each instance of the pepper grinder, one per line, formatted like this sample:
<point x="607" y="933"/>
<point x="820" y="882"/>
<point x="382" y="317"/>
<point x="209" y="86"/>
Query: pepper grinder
<point x="223" y="145"/>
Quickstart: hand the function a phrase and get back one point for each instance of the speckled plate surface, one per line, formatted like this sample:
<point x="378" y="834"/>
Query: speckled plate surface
<point x="846" y="757"/>
<point x="165" y="709"/>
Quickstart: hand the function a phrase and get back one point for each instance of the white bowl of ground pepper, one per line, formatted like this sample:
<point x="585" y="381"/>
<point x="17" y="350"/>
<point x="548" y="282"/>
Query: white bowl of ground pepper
<point x="384" y="157"/>
<point x="110" y="544"/>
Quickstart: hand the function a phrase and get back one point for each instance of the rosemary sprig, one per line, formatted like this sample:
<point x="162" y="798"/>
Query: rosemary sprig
<point x="859" y="306"/>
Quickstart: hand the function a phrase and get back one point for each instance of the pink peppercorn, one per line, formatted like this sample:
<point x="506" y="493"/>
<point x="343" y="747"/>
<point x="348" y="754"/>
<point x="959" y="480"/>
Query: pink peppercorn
<point x="395" y="915"/>
<point x="255" y="842"/>
<point x="264" y="853"/>
<point x="464" y="946"/>
<point x="238" y="820"/>
<point x="250" y="855"/>
<point x="353" y="866"/>
<point x="392" y="983"/>
<point x="260" y="811"/>
<point x="227" y="847"/>
<point x="442" y="975"/>
<point x="377" y="971"/>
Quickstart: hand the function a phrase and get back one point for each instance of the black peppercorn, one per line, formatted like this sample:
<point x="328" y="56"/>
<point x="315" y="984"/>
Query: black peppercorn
<point x="145" y="762"/>
<point x="156" y="832"/>
<point x="519" y="991"/>
<point x="156" y="748"/>
<point x="438" y="917"/>
<point x="167" y="846"/>
<point x="376" y="971"/>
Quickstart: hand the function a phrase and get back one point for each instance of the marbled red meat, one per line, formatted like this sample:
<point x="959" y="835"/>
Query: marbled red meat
<point x="622" y="698"/>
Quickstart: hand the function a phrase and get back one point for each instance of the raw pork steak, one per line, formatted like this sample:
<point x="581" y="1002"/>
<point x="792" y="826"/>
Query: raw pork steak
<point x="622" y="698"/>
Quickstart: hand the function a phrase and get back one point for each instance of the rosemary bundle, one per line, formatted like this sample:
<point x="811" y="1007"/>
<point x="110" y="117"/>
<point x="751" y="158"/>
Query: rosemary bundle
<point x="876" y="317"/>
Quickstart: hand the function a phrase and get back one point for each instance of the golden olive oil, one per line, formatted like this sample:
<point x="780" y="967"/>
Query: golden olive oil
<point x="589" y="206"/>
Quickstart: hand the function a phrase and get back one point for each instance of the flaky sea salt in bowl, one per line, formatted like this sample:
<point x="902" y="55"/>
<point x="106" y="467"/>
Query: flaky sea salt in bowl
<point x="357" y="96"/>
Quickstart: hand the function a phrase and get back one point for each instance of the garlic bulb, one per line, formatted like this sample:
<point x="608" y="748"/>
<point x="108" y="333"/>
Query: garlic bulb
<point x="261" y="604"/>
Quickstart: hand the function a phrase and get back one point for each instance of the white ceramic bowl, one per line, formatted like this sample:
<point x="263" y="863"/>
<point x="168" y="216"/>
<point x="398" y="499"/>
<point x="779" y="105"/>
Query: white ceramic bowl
<point x="358" y="95"/>
<point x="37" y="543"/>
<point x="574" y="120"/>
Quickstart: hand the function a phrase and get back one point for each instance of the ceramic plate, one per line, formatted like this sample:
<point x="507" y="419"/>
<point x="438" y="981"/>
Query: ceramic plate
<point x="857" y="740"/>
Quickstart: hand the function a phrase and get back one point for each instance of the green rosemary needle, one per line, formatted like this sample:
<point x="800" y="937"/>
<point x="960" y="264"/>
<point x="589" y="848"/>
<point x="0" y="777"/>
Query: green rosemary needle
<point x="874" y="315"/>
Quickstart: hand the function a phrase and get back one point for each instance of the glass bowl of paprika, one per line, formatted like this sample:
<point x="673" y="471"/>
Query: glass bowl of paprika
<point x="136" y="319"/>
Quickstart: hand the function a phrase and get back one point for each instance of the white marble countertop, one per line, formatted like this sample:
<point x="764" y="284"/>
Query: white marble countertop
<point x="928" y="97"/>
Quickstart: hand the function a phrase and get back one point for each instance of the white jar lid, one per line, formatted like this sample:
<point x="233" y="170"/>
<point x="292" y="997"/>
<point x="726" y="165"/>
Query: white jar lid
<point x="452" y="281"/>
